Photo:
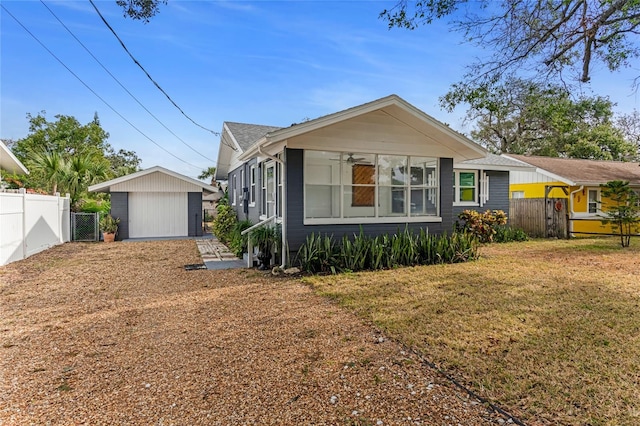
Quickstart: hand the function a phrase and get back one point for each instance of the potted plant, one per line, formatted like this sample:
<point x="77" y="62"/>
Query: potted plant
<point x="109" y="227"/>
<point x="265" y="237"/>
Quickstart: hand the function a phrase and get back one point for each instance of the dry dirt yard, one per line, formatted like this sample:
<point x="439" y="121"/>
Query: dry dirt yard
<point x="122" y="334"/>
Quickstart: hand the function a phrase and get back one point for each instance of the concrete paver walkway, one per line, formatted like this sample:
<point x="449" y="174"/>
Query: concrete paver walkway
<point x="216" y="255"/>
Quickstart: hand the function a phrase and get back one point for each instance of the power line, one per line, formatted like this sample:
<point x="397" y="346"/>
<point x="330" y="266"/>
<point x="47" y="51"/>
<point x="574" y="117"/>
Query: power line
<point x="145" y="71"/>
<point x="121" y="85"/>
<point x="91" y="90"/>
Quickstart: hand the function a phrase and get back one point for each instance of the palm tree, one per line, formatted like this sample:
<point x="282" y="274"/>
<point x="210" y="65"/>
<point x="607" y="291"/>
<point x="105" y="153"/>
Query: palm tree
<point x="82" y="171"/>
<point x="51" y="165"/>
<point x="210" y="172"/>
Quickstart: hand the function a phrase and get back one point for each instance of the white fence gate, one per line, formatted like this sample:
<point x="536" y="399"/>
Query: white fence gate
<point x="31" y="223"/>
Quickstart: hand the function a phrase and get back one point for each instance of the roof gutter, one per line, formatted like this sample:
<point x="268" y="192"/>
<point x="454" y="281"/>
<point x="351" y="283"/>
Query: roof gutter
<point x="253" y="149"/>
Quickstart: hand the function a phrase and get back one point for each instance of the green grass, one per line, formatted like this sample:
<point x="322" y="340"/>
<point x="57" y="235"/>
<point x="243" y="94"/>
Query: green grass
<point x="548" y="330"/>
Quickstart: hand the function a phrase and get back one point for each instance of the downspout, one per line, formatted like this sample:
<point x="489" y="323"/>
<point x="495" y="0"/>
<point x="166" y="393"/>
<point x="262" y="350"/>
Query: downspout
<point x="283" y="227"/>
<point x="572" y="213"/>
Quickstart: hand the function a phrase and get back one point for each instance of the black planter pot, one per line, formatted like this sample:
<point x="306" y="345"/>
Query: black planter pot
<point x="265" y="260"/>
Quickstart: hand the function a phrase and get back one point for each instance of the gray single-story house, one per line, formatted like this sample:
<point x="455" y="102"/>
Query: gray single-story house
<point x="156" y="202"/>
<point x="379" y="166"/>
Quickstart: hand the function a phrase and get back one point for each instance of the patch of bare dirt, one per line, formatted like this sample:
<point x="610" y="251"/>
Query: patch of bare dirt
<point x="122" y="334"/>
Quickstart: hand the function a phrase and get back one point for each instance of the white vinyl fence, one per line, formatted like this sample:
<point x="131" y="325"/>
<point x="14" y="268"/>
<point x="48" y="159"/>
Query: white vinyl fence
<point x="31" y="223"/>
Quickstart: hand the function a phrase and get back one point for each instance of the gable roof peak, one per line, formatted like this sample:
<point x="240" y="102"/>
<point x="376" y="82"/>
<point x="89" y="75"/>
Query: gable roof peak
<point x="105" y="186"/>
<point x="246" y="134"/>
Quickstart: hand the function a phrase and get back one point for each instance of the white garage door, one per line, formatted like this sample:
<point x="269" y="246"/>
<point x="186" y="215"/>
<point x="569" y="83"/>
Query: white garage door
<point x="158" y="214"/>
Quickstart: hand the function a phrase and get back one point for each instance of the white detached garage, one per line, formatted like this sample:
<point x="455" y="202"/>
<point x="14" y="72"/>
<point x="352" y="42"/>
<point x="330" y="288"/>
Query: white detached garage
<point x="156" y="202"/>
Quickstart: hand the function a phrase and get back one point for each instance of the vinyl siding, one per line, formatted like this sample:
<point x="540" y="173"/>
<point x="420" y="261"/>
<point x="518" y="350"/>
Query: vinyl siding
<point x="234" y="183"/>
<point x="235" y="179"/>
<point x="254" y="212"/>
<point x="155" y="182"/>
<point x="195" y="214"/>
<point x="446" y="194"/>
<point x="498" y="195"/>
<point x="519" y="177"/>
<point x="120" y="210"/>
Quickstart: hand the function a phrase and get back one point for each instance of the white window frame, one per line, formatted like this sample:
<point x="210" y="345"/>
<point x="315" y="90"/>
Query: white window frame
<point x="263" y="190"/>
<point x="242" y="187"/>
<point x="234" y="191"/>
<point x="456" y="188"/>
<point x="279" y="196"/>
<point x="597" y="202"/>
<point x="637" y="191"/>
<point x="252" y="183"/>
<point x="407" y="218"/>
<point x="428" y="191"/>
<point x="519" y="193"/>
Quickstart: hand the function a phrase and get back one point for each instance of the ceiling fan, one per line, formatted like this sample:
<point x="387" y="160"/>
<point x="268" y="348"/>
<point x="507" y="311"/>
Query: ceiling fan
<point x="353" y="160"/>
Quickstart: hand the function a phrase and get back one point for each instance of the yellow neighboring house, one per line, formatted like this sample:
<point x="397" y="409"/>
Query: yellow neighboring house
<point x="576" y="180"/>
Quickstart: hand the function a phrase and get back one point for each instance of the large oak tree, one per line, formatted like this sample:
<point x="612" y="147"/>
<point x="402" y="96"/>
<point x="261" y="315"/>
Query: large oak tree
<point x="548" y="37"/>
<point x="526" y="117"/>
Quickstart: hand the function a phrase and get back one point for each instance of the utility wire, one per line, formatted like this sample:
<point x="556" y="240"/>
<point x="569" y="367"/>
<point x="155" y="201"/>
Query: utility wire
<point x="145" y="71"/>
<point x="123" y="87"/>
<point x="93" y="91"/>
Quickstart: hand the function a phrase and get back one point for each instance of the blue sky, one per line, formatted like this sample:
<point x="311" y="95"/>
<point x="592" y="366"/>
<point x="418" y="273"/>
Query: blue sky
<point x="272" y="63"/>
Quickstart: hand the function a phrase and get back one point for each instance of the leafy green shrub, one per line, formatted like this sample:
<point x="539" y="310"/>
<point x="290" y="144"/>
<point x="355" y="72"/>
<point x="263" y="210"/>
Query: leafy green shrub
<point x="266" y="237"/>
<point x="318" y="254"/>
<point x="238" y="242"/>
<point x="207" y="217"/>
<point x="354" y="254"/>
<point x="224" y="223"/>
<point x="463" y="248"/>
<point x="11" y="181"/>
<point x="321" y="254"/>
<point x="377" y="253"/>
<point x="109" y="224"/>
<point x="482" y="225"/>
<point x="94" y="206"/>
<point x="402" y="249"/>
<point x="435" y="249"/>
<point x="506" y="234"/>
<point x="224" y="200"/>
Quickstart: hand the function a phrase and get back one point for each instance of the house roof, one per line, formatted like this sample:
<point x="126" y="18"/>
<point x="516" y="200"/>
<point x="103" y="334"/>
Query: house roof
<point x="235" y="139"/>
<point x="247" y="134"/>
<point x="240" y="141"/>
<point x="494" y="162"/>
<point x="9" y="162"/>
<point x="106" y="186"/>
<point x="575" y="171"/>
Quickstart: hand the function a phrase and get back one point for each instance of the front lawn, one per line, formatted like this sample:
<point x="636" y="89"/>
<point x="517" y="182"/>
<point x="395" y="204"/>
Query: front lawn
<point x="547" y="330"/>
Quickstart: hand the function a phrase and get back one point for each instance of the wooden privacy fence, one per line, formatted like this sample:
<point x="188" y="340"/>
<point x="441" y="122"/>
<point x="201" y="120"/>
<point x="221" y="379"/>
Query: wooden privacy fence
<point x="540" y="217"/>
